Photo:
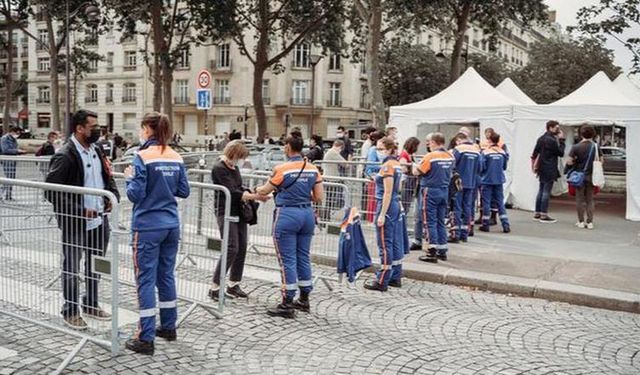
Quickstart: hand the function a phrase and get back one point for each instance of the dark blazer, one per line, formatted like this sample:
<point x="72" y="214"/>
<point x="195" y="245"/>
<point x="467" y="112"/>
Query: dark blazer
<point x="550" y="149"/>
<point x="66" y="168"/>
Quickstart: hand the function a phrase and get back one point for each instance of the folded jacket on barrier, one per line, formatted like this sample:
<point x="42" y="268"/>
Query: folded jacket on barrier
<point x="353" y="254"/>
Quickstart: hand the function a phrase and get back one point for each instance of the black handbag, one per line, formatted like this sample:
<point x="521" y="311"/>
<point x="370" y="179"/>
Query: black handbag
<point x="249" y="212"/>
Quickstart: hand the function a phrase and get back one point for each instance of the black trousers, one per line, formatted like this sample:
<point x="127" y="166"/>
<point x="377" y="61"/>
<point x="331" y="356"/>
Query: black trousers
<point x="76" y="242"/>
<point x="236" y="250"/>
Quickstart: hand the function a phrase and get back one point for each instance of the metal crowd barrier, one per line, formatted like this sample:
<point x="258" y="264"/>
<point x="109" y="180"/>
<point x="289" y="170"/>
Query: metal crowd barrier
<point x="197" y="234"/>
<point x="261" y="251"/>
<point x="34" y="251"/>
<point x="32" y="168"/>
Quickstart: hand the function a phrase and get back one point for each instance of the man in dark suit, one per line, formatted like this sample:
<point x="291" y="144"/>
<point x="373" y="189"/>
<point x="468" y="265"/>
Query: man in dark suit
<point x="81" y="217"/>
<point x="549" y="147"/>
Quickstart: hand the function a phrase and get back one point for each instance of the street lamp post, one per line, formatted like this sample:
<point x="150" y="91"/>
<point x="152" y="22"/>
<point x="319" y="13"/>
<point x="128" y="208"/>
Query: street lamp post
<point x="313" y="60"/>
<point x="246" y="119"/>
<point x="93" y="13"/>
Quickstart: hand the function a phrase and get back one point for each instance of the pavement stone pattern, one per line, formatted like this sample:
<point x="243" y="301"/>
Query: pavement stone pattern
<point x="422" y="328"/>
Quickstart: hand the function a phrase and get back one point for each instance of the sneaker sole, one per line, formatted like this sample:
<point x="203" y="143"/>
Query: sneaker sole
<point x="76" y="328"/>
<point x="96" y="318"/>
<point x="548" y="221"/>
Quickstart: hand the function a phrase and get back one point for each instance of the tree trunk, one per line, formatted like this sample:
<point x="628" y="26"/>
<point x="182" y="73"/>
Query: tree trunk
<point x="9" y="78"/>
<point x="258" y="103"/>
<point x="55" y="86"/>
<point x="167" y="88"/>
<point x="158" y="49"/>
<point x="373" y="64"/>
<point x="461" y="28"/>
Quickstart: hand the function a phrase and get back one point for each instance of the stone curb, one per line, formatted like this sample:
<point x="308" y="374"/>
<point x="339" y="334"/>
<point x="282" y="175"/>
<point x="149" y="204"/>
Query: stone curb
<point x="504" y="284"/>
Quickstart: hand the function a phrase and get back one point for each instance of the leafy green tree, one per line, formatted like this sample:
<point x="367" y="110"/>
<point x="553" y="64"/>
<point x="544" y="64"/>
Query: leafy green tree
<point x="266" y="31"/>
<point x="409" y="73"/>
<point x="558" y="67"/>
<point x="170" y="27"/>
<point x="492" y="68"/>
<point x="457" y="15"/>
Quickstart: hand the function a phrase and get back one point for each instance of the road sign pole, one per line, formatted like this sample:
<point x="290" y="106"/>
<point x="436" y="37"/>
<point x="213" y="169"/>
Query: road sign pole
<point x="206" y="123"/>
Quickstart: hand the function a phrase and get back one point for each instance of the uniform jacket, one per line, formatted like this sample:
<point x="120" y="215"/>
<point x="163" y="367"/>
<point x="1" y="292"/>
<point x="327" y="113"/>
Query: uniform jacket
<point x="66" y="168"/>
<point x="159" y="177"/>
<point x="353" y="255"/>
<point x="294" y="184"/>
<point x="391" y="168"/>
<point x="494" y="163"/>
<point x="549" y="149"/>
<point x="436" y="169"/>
<point x="467" y="157"/>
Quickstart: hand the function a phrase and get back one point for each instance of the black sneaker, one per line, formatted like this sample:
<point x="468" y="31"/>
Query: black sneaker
<point x="536" y="216"/>
<point x="374" y="285"/>
<point x="235" y="291"/>
<point x="396" y="283"/>
<point x="167" y="334"/>
<point x="453" y="240"/>
<point x="139" y="346"/>
<point x="302" y="305"/>
<point x="484" y="228"/>
<point x="285" y="309"/>
<point x="547" y="220"/>
<point x="430" y="257"/>
<point x="215" y="294"/>
<point x="415" y="246"/>
<point x="506" y="229"/>
<point x="442" y="257"/>
<point x="478" y="222"/>
<point x="470" y="232"/>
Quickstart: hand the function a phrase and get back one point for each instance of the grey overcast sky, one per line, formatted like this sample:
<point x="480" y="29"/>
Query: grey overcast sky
<point x="566" y="16"/>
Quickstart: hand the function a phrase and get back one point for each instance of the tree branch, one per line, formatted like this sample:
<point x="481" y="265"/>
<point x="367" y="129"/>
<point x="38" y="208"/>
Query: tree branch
<point x="300" y="36"/>
<point x="239" y="40"/>
<point x="275" y="15"/>
<point x="17" y="24"/>
<point x="172" y="24"/>
<point x="362" y="10"/>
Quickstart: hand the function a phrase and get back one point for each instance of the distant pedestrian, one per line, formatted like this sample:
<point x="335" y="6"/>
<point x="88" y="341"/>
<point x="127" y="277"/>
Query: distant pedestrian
<point x="581" y="158"/>
<point x="9" y="146"/>
<point x="549" y="147"/>
<point x="315" y="149"/>
<point x="409" y="181"/>
<point x="419" y="231"/>
<point x="334" y="194"/>
<point x="83" y="220"/>
<point x="494" y="162"/>
<point x="154" y="181"/>
<point x="374" y="161"/>
<point x="48" y="148"/>
<point x="347" y="151"/>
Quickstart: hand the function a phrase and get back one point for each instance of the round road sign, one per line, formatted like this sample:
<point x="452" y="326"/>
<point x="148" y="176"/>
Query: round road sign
<point x="204" y="79"/>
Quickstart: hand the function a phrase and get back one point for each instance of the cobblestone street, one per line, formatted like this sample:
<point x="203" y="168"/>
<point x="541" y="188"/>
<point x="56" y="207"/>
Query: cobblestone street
<point x="422" y="328"/>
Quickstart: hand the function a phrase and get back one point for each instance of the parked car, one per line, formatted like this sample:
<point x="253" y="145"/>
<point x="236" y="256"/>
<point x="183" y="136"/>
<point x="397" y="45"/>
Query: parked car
<point x="614" y="159"/>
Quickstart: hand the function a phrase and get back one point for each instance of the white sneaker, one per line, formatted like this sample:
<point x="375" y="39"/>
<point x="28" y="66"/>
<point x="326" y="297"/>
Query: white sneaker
<point x="589" y="226"/>
<point x="581" y="224"/>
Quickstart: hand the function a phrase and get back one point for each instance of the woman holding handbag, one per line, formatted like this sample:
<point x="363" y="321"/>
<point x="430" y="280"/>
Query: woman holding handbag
<point x="226" y="172"/>
<point x="582" y="157"/>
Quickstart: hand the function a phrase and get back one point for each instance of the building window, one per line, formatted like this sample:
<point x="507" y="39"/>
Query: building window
<point x="93" y="66"/>
<point x="301" y="55"/>
<point x="301" y="93"/>
<point x="44" y="120"/>
<point x="224" y="56"/>
<point x="44" y="64"/>
<point x="266" y="96"/>
<point x="109" y="93"/>
<point x="222" y="93"/>
<point x="130" y="60"/>
<point x="44" y="95"/>
<point x="129" y="93"/>
<point x="43" y="38"/>
<point x="91" y="95"/>
<point x="183" y="61"/>
<point x="335" y="62"/>
<point x="182" y="90"/>
<point x="335" y="99"/>
<point x="109" y="61"/>
<point x="364" y="97"/>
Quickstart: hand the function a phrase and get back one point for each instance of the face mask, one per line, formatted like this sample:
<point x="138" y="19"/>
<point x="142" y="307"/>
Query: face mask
<point x="339" y="135"/>
<point x="95" y="135"/>
<point x="381" y="155"/>
<point x="142" y="141"/>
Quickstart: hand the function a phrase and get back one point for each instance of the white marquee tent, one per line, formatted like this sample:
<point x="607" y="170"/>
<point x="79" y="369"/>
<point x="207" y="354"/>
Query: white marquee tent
<point x="512" y="91"/>
<point x="597" y="102"/>
<point x="628" y="88"/>
<point x="469" y="100"/>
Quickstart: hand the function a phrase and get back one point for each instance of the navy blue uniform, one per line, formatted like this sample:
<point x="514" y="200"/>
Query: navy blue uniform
<point x="494" y="163"/>
<point x="354" y="254"/>
<point x="467" y="157"/>
<point x="435" y="169"/>
<point x="159" y="177"/>
<point x="390" y="236"/>
<point x="294" y="222"/>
